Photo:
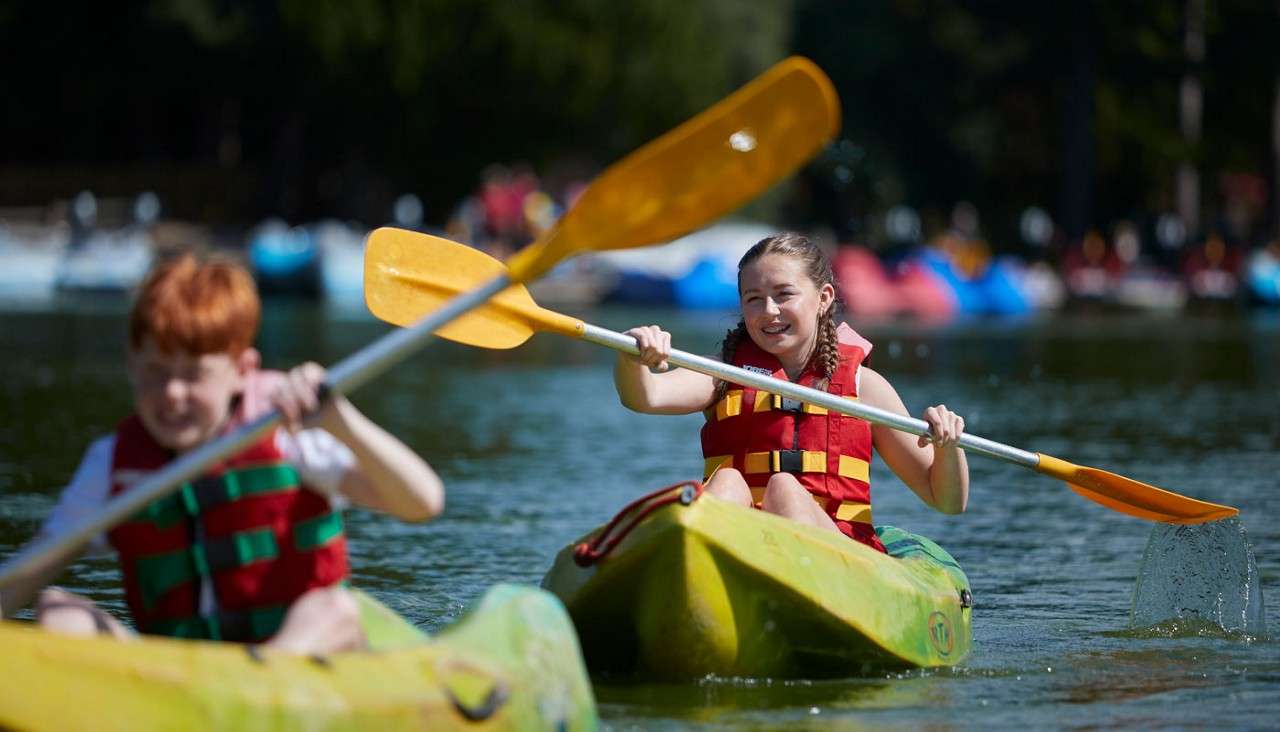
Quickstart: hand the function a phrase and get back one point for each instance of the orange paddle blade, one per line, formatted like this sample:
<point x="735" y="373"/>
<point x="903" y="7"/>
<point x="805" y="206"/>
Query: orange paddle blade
<point x="705" y="168"/>
<point x="1132" y="497"/>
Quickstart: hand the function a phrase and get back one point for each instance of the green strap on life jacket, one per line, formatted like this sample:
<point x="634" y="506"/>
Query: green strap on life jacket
<point x="316" y="532"/>
<point x="195" y="497"/>
<point x="159" y="573"/>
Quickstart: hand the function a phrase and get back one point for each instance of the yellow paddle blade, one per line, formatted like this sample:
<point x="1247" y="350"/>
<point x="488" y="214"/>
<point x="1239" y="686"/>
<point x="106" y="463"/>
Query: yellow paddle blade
<point x="703" y="169"/>
<point x="1133" y="497"/>
<point x="408" y="275"/>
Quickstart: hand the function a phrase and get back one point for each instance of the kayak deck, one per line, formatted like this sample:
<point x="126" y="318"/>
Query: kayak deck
<point x="511" y="662"/>
<point x="715" y="588"/>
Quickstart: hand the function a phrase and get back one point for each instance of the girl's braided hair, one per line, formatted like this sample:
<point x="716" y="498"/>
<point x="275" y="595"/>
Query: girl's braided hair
<point x="826" y="354"/>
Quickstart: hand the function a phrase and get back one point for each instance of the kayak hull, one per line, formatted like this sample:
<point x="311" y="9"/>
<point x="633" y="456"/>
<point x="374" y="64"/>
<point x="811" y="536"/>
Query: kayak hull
<point x="714" y="588"/>
<point x="511" y="662"/>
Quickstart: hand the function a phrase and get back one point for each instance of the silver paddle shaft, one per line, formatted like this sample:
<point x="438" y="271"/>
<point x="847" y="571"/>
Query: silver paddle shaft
<point x="727" y="372"/>
<point x="346" y="376"/>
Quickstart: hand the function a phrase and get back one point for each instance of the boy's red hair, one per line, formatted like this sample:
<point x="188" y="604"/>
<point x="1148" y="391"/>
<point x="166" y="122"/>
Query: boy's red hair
<point x="196" y="306"/>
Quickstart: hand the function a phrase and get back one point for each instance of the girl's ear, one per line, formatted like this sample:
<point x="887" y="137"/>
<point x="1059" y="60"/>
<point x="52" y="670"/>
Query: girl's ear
<point x="826" y="296"/>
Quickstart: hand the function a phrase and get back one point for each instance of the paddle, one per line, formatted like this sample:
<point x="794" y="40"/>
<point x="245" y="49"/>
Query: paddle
<point x="692" y="175"/>
<point x="406" y="273"/>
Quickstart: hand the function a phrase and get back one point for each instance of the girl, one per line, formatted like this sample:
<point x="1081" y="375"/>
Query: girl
<point x="788" y="458"/>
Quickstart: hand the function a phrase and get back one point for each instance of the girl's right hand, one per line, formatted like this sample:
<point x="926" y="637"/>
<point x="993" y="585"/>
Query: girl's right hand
<point x="654" y="344"/>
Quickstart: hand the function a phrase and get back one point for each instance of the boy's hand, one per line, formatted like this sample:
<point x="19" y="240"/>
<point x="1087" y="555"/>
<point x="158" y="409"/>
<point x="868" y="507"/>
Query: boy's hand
<point x="297" y="397"/>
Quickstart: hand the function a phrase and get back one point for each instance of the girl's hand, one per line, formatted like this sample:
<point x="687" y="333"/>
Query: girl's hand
<point x="297" y="397"/>
<point x="654" y="344"/>
<point x="945" y="427"/>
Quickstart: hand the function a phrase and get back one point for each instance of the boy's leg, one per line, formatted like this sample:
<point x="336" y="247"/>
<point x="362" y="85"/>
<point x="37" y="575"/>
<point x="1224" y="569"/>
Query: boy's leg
<point x="324" y="620"/>
<point x="63" y="612"/>
<point x="729" y="485"/>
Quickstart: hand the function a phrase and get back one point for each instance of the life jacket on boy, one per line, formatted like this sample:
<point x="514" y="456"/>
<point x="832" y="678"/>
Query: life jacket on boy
<point x="759" y="434"/>
<point x="248" y="525"/>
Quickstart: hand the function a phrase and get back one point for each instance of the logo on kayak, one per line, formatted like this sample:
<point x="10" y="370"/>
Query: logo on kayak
<point x="940" y="633"/>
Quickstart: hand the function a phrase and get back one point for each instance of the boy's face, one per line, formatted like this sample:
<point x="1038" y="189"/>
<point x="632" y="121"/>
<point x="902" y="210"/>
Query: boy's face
<point x="183" y="399"/>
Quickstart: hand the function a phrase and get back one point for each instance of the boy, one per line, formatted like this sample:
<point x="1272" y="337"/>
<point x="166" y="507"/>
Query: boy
<point x="253" y="550"/>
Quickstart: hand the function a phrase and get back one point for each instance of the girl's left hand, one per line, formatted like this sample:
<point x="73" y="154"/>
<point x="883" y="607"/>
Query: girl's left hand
<point x="297" y="397"/>
<point x="945" y="427"/>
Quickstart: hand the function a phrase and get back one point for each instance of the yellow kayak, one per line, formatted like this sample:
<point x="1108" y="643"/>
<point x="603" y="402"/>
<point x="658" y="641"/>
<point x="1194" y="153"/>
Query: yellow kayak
<point x="512" y="662"/>
<point x="702" y="586"/>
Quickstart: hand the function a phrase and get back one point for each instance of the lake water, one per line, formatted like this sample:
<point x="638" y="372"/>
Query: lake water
<point x="536" y="450"/>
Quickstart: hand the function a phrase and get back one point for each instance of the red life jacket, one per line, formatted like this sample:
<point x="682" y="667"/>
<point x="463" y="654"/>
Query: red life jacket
<point x="759" y="434"/>
<point x="247" y="524"/>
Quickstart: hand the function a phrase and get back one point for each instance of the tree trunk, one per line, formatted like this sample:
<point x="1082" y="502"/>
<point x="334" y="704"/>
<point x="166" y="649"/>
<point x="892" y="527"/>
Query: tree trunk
<point x="1191" y="112"/>
<point x="1275" y="149"/>
<point x="1076" y="210"/>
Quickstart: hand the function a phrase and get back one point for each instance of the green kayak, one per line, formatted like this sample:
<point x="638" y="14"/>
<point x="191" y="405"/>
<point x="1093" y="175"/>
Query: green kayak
<point x="709" y="587"/>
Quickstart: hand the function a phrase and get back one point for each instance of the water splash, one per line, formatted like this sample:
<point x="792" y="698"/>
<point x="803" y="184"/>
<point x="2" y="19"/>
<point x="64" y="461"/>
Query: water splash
<point x="1197" y="580"/>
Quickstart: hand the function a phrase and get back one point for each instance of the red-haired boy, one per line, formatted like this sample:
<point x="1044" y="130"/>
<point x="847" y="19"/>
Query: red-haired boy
<point x="254" y="549"/>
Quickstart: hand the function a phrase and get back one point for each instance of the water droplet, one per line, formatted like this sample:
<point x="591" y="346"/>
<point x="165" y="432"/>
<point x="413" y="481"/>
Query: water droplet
<point x="742" y="141"/>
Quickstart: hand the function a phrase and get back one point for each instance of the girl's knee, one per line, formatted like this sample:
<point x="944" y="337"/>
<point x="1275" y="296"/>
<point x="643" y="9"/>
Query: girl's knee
<point x="783" y="488"/>
<point x="728" y="484"/>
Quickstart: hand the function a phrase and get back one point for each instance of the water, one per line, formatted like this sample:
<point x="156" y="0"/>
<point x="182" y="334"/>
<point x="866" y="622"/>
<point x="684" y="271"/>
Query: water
<point x="1199" y="578"/>
<point x="536" y="451"/>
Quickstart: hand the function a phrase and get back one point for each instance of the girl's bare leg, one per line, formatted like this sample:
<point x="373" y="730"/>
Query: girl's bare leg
<point x="729" y="485"/>
<point x="786" y="497"/>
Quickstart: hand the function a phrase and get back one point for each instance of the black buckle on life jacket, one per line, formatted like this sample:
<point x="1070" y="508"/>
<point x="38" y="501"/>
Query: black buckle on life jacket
<point x="220" y="553"/>
<point x="790" y="461"/>
<point x="790" y="405"/>
<point x="210" y="491"/>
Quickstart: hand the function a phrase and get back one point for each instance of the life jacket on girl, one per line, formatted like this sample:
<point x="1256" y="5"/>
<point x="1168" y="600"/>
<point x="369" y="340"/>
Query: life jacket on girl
<point x="247" y="532"/>
<point x="759" y="434"/>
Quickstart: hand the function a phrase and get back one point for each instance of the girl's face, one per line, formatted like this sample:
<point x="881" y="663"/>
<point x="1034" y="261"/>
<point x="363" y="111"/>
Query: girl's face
<point x="781" y="305"/>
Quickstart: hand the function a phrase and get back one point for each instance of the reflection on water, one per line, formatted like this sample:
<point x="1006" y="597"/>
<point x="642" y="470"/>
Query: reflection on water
<point x="536" y="450"/>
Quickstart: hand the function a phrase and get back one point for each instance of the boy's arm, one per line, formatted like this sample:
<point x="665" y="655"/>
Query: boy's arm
<point x="387" y="476"/>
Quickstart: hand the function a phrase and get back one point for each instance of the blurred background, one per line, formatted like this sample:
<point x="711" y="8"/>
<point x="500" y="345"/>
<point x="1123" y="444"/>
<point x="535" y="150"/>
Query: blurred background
<point x="996" y="158"/>
<point x="1059" y="219"/>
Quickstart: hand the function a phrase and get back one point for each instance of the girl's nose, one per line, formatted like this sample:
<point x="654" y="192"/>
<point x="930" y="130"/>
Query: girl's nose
<point x="770" y="306"/>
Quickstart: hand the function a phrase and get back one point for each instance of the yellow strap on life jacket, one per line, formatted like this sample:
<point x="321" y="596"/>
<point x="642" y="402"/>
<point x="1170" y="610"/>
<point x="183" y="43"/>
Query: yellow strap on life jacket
<point x="730" y="406"/>
<point x="851" y="511"/>
<point x="766" y="401"/>
<point x="813" y="461"/>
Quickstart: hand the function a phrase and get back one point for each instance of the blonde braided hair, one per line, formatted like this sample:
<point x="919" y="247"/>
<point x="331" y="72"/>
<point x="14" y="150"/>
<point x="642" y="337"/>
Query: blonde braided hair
<point x="826" y="353"/>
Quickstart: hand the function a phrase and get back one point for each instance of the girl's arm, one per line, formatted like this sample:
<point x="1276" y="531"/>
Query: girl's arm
<point x="677" y="391"/>
<point x="387" y="476"/>
<point x="934" y="467"/>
